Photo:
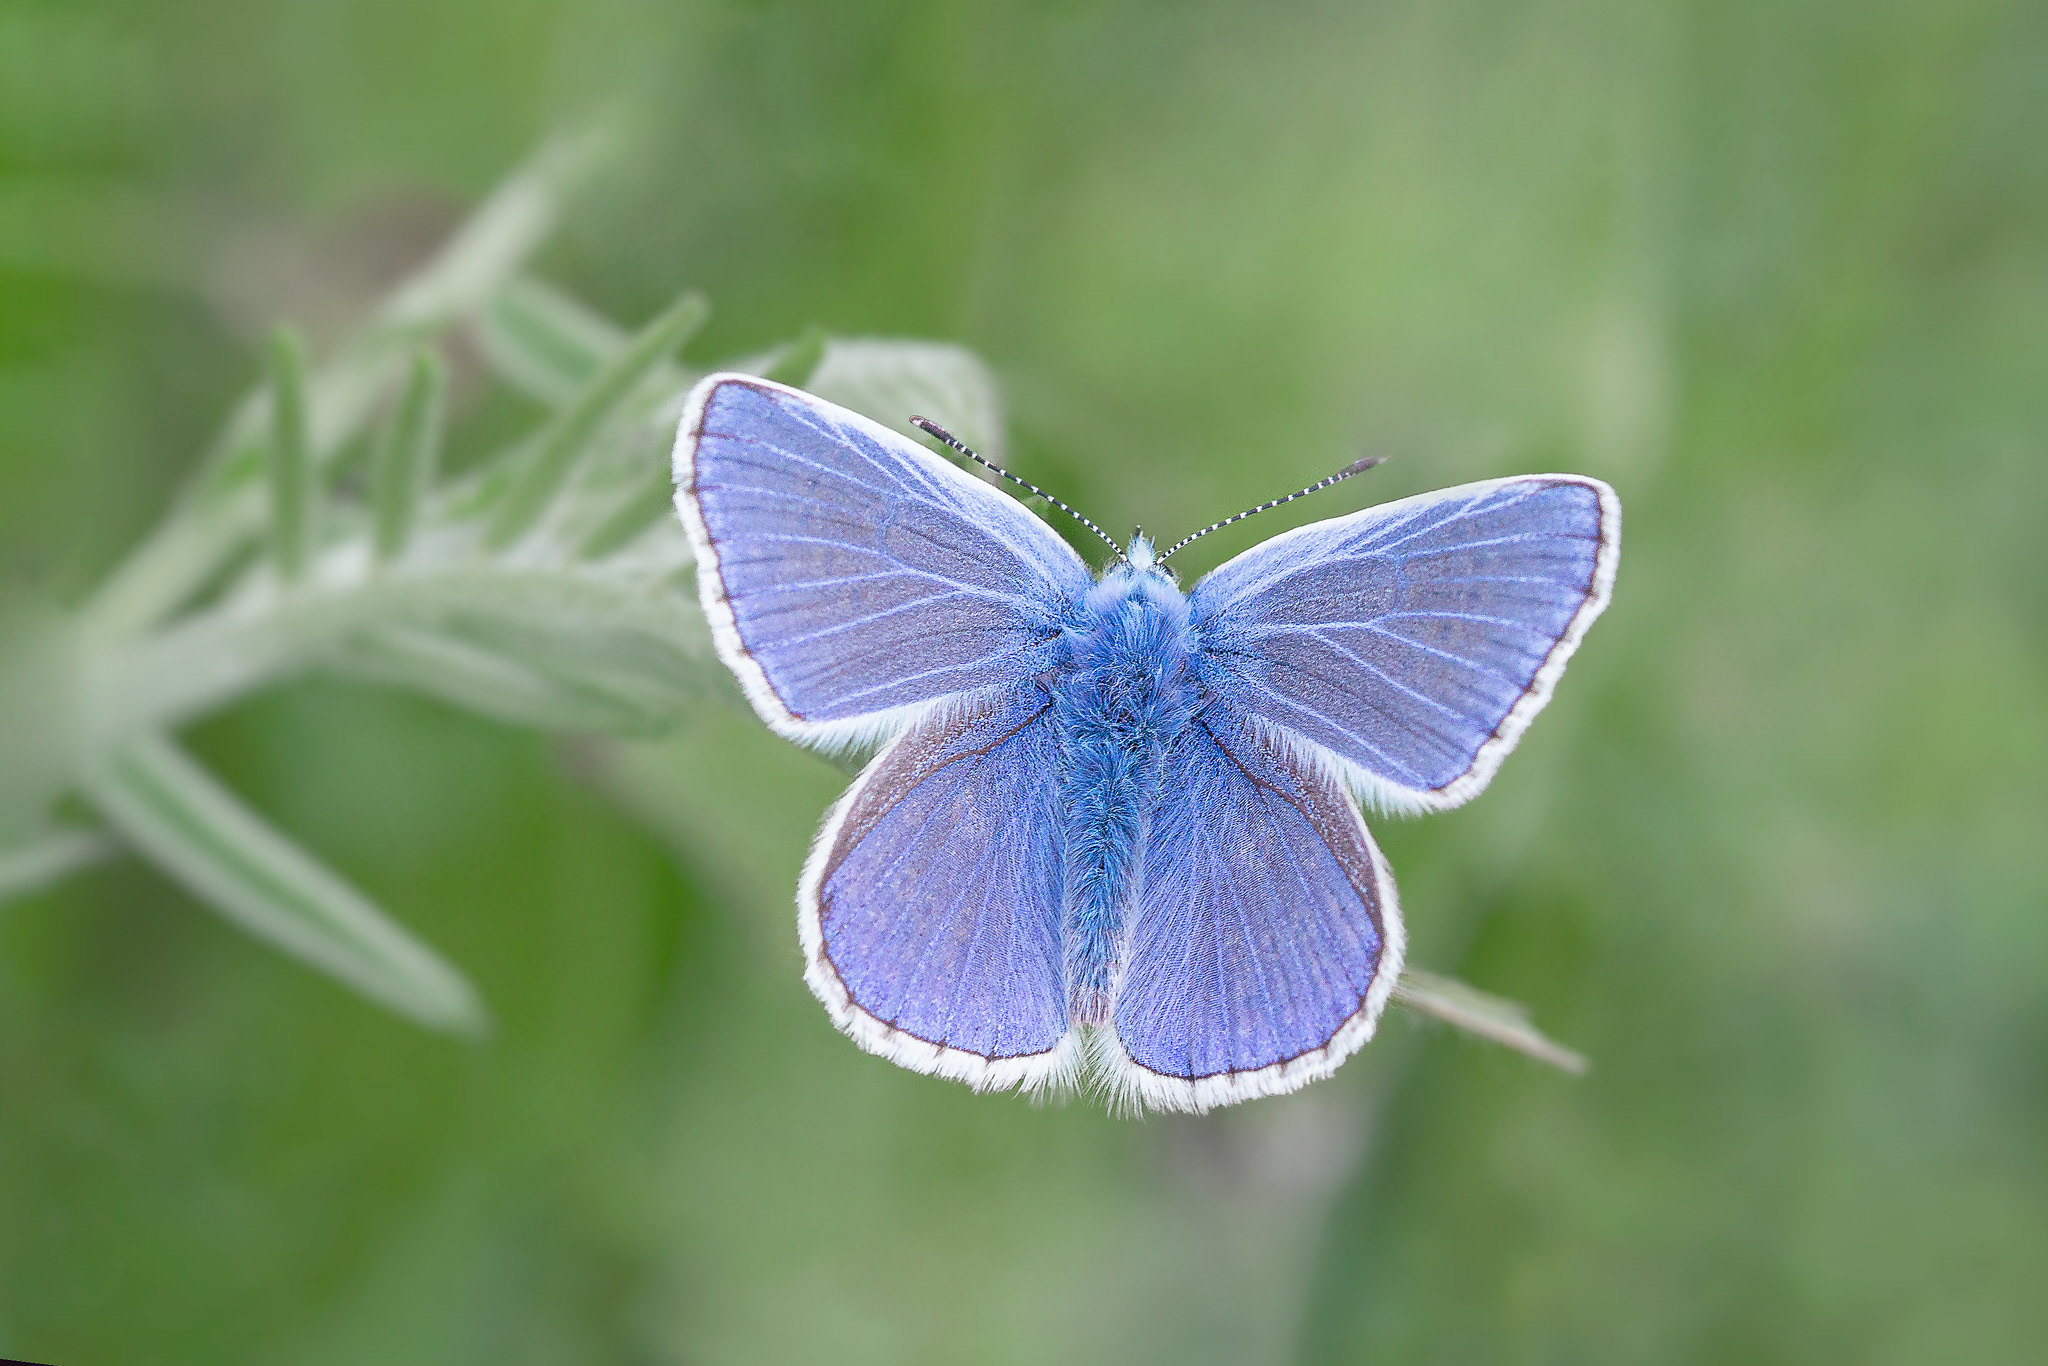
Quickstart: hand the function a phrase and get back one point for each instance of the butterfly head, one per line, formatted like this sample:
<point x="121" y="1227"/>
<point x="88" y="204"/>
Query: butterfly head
<point x="1143" y="559"/>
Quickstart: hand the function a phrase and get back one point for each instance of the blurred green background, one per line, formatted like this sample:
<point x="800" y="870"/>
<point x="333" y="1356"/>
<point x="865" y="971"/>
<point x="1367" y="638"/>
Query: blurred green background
<point x="1774" y="859"/>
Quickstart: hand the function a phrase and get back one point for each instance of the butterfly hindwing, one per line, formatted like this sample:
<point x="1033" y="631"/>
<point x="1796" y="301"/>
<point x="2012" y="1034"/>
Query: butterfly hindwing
<point x="930" y="907"/>
<point x="1265" y="935"/>
<point x="1415" y="640"/>
<point x="850" y="576"/>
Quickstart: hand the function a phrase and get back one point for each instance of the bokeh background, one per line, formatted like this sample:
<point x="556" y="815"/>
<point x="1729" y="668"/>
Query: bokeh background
<point x="1774" y="859"/>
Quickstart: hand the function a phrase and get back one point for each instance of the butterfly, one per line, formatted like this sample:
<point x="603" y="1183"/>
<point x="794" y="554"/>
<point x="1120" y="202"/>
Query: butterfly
<point x="1113" y="831"/>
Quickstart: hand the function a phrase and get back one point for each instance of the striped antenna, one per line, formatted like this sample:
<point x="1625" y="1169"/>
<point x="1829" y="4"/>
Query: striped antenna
<point x="1355" y="467"/>
<point x="939" y="433"/>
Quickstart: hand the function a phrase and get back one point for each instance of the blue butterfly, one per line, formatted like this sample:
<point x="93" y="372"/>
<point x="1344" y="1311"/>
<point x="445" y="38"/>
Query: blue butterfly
<point x="1114" y="828"/>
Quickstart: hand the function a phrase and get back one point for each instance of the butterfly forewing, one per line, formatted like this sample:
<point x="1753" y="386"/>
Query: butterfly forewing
<point x="848" y="573"/>
<point x="1415" y="640"/>
<point x="930" y="908"/>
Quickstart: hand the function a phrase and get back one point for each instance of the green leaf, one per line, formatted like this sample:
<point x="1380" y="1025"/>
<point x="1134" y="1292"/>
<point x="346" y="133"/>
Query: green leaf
<point x="799" y="360"/>
<point x="202" y="836"/>
<point x="52" y="857"/>
<point x="602" y="396"/>
<point x="495" y="240"/>
<point x="637" y="510"/>
<point x="1477" y="1012"/>
<point x="223" y="508"/>
<point x="544" y="343"/>
<point x="403" y="467"/>
<point x="548" y="649"/>
<point x="890" y="381"/>
<point x="289" y="455"/>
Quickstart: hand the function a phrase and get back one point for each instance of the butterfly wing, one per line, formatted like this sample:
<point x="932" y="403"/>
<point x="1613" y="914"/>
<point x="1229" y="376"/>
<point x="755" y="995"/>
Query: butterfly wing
<point x="929" y="909"/>
<point x="851" y="577"/>
<point x="1415" y="641"/>
<point x="1266" y="934"/>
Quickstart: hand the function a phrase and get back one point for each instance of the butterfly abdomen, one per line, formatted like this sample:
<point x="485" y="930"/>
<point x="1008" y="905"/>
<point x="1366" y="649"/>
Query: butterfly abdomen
<point x="1126" y="694"/>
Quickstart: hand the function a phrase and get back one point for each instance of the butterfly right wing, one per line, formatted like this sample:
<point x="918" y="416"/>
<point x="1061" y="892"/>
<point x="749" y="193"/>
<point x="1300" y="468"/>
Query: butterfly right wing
<point x="1415" y="641"/>
<point x="930" y="906"/>
<point x="851" y="577"/>
<point x="1265" y="935"/>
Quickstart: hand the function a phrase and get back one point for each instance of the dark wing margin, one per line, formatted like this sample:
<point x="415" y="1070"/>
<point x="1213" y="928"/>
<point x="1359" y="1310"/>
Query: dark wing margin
<point x="930" y="907"/>
<point x="851" y="577"/>
<point x="1266" y="934"/>
<point x="1415" y="641"/>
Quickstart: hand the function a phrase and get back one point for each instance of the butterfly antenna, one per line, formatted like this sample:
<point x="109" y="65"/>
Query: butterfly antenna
<point x="939" y="433"/>
<point x="1355" y="467"/>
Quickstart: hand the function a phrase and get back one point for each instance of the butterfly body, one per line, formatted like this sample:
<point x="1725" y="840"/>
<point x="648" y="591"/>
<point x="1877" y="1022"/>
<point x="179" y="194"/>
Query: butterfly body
<point x="1125" y="696"/>
<point x="1113" y="828"/>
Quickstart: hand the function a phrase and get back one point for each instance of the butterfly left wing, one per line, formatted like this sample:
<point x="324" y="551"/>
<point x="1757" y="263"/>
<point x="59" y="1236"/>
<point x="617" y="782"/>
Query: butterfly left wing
<point x="1265" y="933"/>
<point x="930" y="907"/>
<point x="1415" y="641"/>
<point x="851" y="577"/>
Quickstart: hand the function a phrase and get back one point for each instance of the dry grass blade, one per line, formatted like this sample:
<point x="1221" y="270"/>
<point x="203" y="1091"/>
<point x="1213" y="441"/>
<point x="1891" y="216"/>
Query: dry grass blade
<point x="1491" y="1017"/>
